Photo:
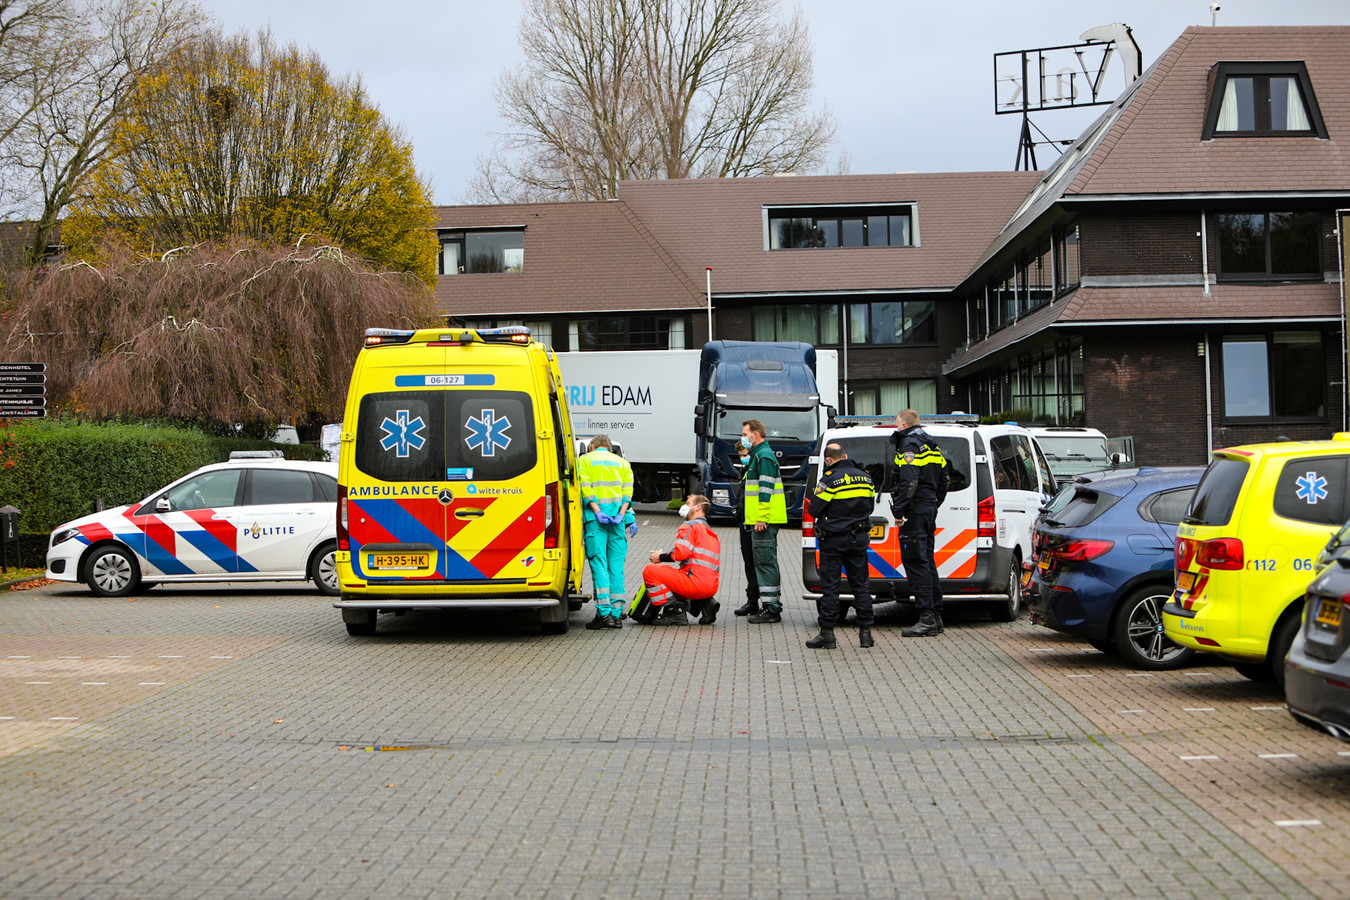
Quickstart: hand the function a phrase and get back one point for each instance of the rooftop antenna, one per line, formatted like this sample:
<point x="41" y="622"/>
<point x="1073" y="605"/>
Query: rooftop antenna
<point x="1213" y="15"/>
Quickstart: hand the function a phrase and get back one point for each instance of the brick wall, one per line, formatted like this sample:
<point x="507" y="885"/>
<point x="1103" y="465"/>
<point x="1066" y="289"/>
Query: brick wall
<point x="1133" y="244"/>
<point x="1152" y="385"/>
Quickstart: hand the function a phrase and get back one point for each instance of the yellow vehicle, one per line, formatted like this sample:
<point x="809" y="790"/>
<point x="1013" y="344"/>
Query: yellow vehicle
<point x="1248" y="545"/>
<point x="457" y="483"/>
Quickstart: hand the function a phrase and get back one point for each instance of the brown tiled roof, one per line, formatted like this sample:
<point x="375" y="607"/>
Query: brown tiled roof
<point x="579" y="257"/>
<point x="1164" y="306"/>
<point x="719" y="223"/>
<point x="1156" y="146"/>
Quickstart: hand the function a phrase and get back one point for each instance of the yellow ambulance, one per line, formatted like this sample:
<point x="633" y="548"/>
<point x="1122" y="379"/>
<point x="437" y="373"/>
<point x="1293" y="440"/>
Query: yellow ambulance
<point x="457" y="480"/>
<point x="1247" y="546"/>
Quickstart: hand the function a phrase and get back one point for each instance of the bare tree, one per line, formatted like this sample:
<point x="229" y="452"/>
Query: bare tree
<point x="208" y="335"/>
<point x="617" y="89"/>
<point x="241" y="136"/>
<point x="83" y="66"/>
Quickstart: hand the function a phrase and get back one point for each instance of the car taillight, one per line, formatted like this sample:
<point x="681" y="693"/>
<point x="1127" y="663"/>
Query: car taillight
<point x="551" y="516"/>
<point x="808" y="523"/>
<point x="1220" y="553"/>
<point x="344" y="540"/>
<point x="985" y="518"/>
<point x="1080" y="550"/>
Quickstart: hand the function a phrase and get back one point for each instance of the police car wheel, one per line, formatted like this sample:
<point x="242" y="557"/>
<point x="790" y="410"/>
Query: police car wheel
<point x="359" y="622"/>
<point x="1138" y="633"/>
<point x="112" y="572"/>
<point x="1008" y="610"/>
<point x="323" y="570"/>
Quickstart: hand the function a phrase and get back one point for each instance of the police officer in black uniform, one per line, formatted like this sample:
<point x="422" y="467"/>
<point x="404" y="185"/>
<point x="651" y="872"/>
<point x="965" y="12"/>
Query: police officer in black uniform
<point x="842" y="507"/>
<point x="921" y="484"/>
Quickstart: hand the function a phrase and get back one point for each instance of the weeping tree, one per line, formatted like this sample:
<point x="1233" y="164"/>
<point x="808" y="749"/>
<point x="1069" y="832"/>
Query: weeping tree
<point x="208" y="335"/>
<point x="240" y="136"/>
<point x="628" y="89"/>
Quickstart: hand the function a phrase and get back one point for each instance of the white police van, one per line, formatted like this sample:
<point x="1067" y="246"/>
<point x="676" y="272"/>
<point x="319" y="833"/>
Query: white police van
<point x="999" y="479"/>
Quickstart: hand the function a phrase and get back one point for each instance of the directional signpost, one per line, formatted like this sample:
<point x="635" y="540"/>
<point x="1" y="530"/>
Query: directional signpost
<point x="23" y="390"/>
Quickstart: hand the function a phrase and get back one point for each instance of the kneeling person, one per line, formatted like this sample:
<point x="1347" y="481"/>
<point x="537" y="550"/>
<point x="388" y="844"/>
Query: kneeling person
<point x="698" y="553"/>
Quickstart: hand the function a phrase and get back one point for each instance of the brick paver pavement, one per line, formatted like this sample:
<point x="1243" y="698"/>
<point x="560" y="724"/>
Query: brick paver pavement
<point x="218" y="748"/>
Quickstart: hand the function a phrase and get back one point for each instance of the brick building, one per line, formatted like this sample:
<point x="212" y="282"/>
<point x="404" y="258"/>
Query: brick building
<point x="1175" y="275"/>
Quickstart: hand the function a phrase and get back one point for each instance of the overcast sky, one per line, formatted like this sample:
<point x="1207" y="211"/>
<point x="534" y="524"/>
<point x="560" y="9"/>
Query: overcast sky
<point x="910" y="83"/>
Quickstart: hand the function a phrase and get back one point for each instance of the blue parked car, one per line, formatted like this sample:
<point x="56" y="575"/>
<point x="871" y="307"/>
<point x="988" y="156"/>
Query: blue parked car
<point x="1104" y="564"/>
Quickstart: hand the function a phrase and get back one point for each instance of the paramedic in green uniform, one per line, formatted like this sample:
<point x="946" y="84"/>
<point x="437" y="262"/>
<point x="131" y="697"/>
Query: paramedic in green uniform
<point x="765" y="510"/>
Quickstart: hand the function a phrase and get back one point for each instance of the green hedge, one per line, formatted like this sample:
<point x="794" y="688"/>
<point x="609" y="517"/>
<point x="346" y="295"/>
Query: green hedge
<point x="55" y="471"/>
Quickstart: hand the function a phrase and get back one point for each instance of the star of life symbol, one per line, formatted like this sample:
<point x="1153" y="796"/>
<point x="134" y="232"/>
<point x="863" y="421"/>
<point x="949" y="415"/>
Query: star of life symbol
<point x="488" y="433"/>
<point x="401" y="435"/>
<point x="1311" y="488"/>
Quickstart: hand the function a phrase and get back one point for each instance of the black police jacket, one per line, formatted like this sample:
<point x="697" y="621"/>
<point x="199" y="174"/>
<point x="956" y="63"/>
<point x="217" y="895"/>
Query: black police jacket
<point x="844" y="499"/>
<point x="921" y="472"/>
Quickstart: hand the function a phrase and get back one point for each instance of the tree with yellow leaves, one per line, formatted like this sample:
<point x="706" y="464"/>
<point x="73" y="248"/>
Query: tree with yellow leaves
<point x="238" y="137"/>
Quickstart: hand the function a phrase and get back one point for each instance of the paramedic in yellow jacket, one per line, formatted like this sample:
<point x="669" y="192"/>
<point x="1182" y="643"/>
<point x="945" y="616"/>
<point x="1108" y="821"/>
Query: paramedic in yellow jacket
<point x="606" y="494"/>
<point x="765" y="510"/>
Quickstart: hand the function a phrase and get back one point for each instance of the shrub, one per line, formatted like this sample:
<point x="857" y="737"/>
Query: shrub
<point x="55" y="470"/>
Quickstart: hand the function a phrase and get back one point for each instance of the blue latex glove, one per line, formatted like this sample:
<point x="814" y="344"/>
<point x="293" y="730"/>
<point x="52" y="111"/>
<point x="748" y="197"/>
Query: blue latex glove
<point x="604" y="518"/>
<point x="632" y="529"/>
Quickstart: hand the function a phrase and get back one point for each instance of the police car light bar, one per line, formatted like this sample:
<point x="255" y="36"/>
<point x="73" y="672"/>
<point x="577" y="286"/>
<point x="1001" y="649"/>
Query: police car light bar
<point x="879" y="421"/>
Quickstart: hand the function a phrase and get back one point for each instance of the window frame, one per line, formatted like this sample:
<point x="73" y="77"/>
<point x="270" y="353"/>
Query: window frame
<point x="1269" y="275"/>
<point x="1267" y="340"/>
<point x="838" y="213"/>
<point x="1286" y="69"/>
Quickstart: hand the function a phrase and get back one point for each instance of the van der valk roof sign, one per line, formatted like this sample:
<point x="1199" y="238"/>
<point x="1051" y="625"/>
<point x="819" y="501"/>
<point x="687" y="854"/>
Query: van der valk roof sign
<point x="1067" y="76"/>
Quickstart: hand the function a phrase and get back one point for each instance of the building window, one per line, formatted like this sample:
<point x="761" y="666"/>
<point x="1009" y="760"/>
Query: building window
<point x="1037" y="287"/>
<point x="1273" y="98"/>
<point x="631" y="332"/>
<point x="477" y="252"/>
<point x="1068" y="272"/>
<point x="906" y="322"/>
<point x="886" y="398"/>
<point x="1274" y="377"/>
<point x="1277" y="245"/>
<point x="802" y="228"/>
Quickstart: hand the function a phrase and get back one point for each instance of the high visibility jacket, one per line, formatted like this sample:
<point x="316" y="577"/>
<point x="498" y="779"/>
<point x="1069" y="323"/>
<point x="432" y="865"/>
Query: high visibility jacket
<point x="607" y="479"/>
<point x="699" y="553"/>
<point x="922" y="477"/>
<point x="844" y="499"/>
<point x="764" y="497"/>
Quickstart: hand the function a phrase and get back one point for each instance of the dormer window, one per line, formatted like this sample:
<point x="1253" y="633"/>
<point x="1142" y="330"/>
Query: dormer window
<point x="860" y="225"/>
<point x="1271" y="98"/>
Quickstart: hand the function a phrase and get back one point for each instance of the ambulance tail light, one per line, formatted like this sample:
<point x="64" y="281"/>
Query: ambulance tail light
<point x="986" y="519"/>
<point x="551" y="516"/>
<point x="1220" y="553"/>
<point x="344" y="541"/>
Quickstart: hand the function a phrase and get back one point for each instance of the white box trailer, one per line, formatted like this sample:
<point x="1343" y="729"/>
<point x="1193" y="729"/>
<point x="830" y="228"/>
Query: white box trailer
<point x="644" y="401"/>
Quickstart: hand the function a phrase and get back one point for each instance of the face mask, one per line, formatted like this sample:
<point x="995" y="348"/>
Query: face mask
<point x="745" y="442"/>
<point x="684" y="511"/>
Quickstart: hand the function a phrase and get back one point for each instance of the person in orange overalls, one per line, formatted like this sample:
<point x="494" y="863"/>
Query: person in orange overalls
<point x="698" y="553"/>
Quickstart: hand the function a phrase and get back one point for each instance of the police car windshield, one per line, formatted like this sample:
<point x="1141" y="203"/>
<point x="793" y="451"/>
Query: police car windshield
<point x="793" y="426"/>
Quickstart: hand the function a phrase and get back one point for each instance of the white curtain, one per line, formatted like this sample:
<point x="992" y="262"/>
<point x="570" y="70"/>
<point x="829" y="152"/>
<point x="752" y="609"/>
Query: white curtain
<point x="1228" y="114"/>
<point x="1297" y="116"/>
<point x="676" y="341"/>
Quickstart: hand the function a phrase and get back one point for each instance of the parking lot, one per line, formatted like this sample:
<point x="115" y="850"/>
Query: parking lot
<point x="194" y="742"/>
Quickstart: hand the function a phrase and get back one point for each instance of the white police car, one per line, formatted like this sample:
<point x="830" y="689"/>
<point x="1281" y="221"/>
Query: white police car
<point x="257" y="517"/>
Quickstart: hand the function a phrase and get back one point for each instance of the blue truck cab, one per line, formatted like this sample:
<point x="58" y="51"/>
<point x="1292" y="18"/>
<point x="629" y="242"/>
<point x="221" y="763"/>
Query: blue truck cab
<point x="772" y="382"/>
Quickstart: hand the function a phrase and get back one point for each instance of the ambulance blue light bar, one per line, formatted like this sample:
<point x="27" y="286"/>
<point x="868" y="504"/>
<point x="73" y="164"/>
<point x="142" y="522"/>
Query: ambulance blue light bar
<point x="376" y="337"/>
<point x="507" y="334"/>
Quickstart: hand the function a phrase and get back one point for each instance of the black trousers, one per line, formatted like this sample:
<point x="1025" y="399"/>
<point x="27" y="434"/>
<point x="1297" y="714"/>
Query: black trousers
<point x="916" y="552"/>
<point x="748" y="556"/>
<point x="847" y="552"/>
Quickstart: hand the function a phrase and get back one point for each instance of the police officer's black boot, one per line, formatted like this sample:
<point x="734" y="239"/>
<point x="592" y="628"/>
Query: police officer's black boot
<point x="927" y="626"/>
<point x="749" y="609"/>
<point x="823" y="641"/>
<point x="865" y="637"/>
